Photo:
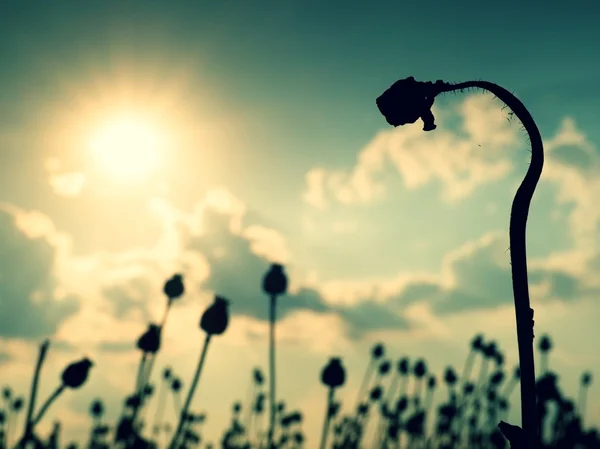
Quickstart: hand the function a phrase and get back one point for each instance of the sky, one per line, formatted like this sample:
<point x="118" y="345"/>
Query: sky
<point x="263" y="144"/>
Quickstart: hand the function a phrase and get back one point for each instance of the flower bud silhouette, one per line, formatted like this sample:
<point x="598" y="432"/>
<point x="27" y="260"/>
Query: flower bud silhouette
<point x="149" y="341"/>
<point x="174" y="287"/>
<point x="334" y="374"/>
<point x="97" y="409"/>
<point x="450" y="376"/>
<point x="378" y="351"/>
<point x="384" y="368"/>
<point x="75" y="375"/>
<point x="259" y="379"/>
<point x="403" y="366"/>
<point x="406" y="101"/>
<point x="215" y="318"/>
<point x="275" y="281"/>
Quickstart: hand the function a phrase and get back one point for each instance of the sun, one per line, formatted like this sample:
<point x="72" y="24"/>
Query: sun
<point x="127" y="148"/>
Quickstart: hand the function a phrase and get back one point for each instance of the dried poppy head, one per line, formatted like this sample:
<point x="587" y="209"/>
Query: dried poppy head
<point x="406" y="101"/>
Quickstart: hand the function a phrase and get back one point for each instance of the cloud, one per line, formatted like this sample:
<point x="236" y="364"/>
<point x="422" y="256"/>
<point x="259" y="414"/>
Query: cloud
<point x="478" y="154"/>
<point x="573" y="164"/>
<point x="67" y="184"/>
<point x="33" y="304"/>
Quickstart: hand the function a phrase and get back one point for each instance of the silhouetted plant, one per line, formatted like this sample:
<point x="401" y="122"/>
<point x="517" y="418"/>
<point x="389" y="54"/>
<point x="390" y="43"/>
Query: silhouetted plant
<point x="274" y="284"/>
<point x="214" y="321"/>
<point x="406" y="101"/>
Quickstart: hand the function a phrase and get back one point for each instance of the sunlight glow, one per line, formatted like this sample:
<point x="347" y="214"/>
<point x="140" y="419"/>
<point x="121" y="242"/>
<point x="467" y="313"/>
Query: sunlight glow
<point x="127" y="149"/>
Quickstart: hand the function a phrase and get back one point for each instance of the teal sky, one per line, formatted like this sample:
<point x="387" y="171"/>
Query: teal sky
<point x="269" y="112"/>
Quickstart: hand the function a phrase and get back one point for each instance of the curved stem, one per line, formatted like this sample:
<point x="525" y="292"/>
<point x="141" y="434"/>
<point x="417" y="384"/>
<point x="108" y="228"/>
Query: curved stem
<point x="47" y="404"/>
<point x="188" y="400"/>
<point x="272" y="395"/>
<point x="518" y="249"/>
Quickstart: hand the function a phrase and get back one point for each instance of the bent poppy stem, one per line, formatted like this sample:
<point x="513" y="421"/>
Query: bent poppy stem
<point x="420" y="98"/>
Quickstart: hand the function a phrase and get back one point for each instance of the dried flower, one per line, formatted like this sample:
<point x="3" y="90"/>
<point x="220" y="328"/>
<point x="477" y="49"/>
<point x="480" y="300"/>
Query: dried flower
<point x="75" y="375"/>
<point x="174" y="288"/>
<point x="450" y="376"/>
<point x="149" y="341"/>
<point x="275" y="281"/>
<point x="215" y="318"/>
<point x="259" y="379"/>
<point x="545" y="344"/>
<point x="97" y="409"/>
<point x="403" y="366"/>
<point x="384" y="368"/>
<point x="334" y="374"/>
<point x="420" y="368"/>
<point x="378" y="351"/>
<point x="431" y="382"/>
<point x="586" y="379"/>
<point x="406" y="101"/>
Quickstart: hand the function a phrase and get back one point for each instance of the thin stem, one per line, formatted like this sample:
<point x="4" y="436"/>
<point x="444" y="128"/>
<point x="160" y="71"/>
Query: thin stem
<point x="34" y="386"/>
<point x="160" y="409"/>
<point x="272" y="396"/>
<point x="47" y="404"/>
<point x="188" y="400"/>
<point x="518" y="251"/>
<point x="327" y="419"/>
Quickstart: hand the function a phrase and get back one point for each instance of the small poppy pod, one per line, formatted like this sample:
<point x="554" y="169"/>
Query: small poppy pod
<point x="586" y="379"/>
<point x="431" y="382"/>
<point x="97" y="408"/>
<point x="176" y="385"/>
<point x="403" y="366"/>
<point x="334" y="374"/>
<point x="497" y="378"/>
<point x="174" y="287"/>
<point x="149" y="341"/>
<point x="378" y="351"/>
<point x="75" y="375"/>
<point x="420" y="368"/>
<point x="259" y="379"/>
<point x="275" y="281"/>
<point x="406" y="101"/>
<point x="490" y="350"/>
<point x="545" y="344"/>
<point x="450" y="376"/>
<point x="384" y="367"/>
<point x="376" y="393"/>
<point x="215" y="318"/>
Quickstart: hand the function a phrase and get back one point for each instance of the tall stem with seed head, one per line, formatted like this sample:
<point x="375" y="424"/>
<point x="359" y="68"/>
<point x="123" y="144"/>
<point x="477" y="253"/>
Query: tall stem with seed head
<point x="517" y="228"/>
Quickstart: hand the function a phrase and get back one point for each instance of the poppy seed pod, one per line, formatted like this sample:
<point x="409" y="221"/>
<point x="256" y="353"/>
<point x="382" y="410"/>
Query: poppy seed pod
<point x="406" y="101"/>
<point x="258" y="376"/>
<point x="174" y="288"/>
<point x="334" y="374"/>
<point x="215" y="319"/>
<point x="275" y="281"/>
<point x="377" y="351"/>
<point x="545" y="344"/>
<point x="586" y="379"/>
<point x="450" y="376"/>
<point x="149" y="341"/>
<point x="75" y="375"/>
<point x="403" y="367"/>
<point x="420" y="368"/>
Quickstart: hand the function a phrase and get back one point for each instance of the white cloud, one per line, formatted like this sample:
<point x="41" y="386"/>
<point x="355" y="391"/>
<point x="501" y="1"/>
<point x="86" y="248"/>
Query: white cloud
<point x="460" y="162"/>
